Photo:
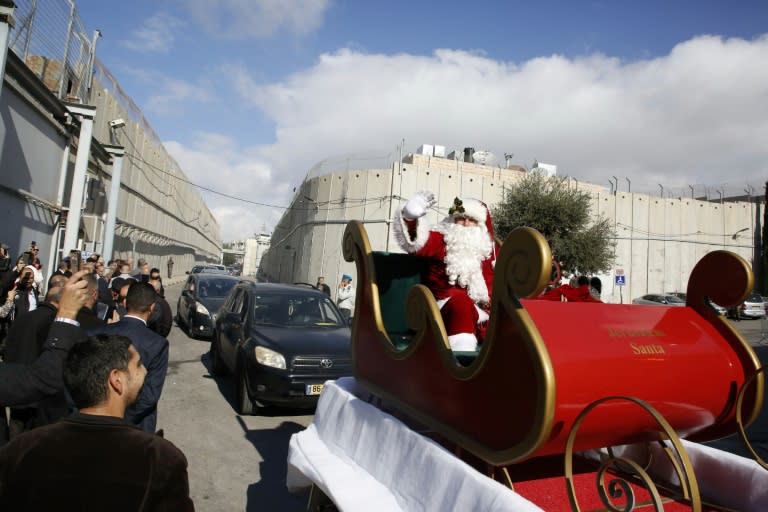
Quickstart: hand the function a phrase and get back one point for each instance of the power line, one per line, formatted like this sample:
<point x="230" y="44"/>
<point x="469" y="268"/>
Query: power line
<point x="341" y="202"/>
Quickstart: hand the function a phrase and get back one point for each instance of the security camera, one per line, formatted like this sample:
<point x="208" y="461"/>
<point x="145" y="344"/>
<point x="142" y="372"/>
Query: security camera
<point x="117" y="123"/>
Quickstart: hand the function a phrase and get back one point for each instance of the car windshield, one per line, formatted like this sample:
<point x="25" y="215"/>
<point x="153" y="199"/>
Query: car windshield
<point x="754" y="298"/>
<point x="674" y="300"/>
<point x="295" y="311"/>
<point x="215" y="287"/>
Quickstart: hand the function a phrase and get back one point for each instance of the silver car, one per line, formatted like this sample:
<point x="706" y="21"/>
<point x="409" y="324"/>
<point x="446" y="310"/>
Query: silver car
<point x="753" y="307"/>
<point x="659" y="299"/>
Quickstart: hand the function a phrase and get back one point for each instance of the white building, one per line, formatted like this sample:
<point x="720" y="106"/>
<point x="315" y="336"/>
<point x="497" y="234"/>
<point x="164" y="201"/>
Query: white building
<point x="254" y="252"/>
<point x="658" y="240"/>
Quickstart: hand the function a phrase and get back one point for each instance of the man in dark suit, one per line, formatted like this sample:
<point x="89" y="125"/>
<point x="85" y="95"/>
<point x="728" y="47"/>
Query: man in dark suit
<point x="25" y="342"/>
<point x="22" y="383"/>
<point x="153" y="348"/>
<point x="94" y="459"/>
<point x="104" y="296"/>
<point x="63" y="270"/>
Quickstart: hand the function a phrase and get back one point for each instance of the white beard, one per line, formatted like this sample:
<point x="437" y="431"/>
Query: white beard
<point x="466" y="247"/>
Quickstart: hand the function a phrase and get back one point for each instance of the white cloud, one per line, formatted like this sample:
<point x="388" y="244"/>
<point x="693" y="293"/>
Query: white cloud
<point x="215" y="162"/>
<point x="696" y="116"/>
<point x="242" y="19"/>
<point x="156" y="35"/>
<point x="168" y="94"/>
<point x="171" y="93"/>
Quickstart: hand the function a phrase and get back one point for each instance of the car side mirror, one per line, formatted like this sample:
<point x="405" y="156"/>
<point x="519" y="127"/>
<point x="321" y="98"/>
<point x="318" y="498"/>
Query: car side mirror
<point x="187" y="272"/>
<point x="185" y="293"/>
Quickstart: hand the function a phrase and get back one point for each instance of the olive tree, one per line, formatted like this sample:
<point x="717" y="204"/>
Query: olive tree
<point x="563" y="215"/>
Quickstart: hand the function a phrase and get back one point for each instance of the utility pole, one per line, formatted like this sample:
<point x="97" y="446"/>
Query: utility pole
<point x="392" y="189"/>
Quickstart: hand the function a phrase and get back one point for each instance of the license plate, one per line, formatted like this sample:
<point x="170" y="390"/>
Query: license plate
<point x="314" y="389"/>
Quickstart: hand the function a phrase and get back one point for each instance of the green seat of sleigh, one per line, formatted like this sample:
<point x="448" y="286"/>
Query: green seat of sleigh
<point x="466" y="357"/>
<point x="396" y="274"/>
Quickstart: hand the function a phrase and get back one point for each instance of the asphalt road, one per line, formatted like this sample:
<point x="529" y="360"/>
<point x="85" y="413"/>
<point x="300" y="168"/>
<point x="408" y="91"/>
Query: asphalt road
<point x="239" y="463"/>
<point x="235" y="462"/>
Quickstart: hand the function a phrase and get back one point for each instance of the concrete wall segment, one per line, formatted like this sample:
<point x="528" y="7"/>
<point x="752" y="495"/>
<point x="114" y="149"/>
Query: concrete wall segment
<point x="659" y="240"/>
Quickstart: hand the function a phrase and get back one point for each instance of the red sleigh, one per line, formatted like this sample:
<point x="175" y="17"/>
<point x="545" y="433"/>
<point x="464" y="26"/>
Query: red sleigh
<point x="554" y="377"/>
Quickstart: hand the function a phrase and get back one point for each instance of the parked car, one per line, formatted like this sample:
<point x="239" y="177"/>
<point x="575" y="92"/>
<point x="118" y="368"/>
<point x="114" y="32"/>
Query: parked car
<point x="200" y="299"/>
<point x="208" y="269"/>
<point x="682" y="296"/>
<point x="281" y="343"/>
<point x="753" y="307"/>
<point x="720" y="309"/>
<point x="659" y="299"/>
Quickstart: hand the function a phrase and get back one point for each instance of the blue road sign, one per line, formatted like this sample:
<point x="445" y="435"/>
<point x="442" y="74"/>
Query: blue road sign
<point x="621" y="280"/>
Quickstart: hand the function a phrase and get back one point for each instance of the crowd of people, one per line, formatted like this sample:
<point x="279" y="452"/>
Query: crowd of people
<point x="85" y="355"/>
<point x="84" y="360"/>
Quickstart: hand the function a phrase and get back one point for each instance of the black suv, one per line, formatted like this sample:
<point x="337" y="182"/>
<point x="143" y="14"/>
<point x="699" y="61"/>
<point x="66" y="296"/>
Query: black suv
<point x="281" y="343"/>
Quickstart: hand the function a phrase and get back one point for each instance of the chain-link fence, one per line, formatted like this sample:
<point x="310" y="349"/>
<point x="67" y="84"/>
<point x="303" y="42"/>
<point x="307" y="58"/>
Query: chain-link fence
<point x="47" y="34"/>
<point x="51" y="39"/>
<point x="344" y="163"/>
<point x="106" y="80"/>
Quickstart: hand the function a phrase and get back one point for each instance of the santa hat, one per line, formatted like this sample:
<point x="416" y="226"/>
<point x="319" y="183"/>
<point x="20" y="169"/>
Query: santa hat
<point x="473" y="209"/>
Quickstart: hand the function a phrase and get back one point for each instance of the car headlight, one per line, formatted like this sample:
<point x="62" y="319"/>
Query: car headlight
<point x="269" y="357"/>
<point x="202" y="309"/>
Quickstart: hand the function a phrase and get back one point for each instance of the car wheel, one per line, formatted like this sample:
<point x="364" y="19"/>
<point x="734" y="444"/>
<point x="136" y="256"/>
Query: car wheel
<point x="217" y="365"/>
<point x="245" y="405"/>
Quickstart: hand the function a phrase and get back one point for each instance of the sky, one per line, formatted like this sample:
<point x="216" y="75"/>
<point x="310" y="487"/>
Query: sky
<point x="249" y="95"/>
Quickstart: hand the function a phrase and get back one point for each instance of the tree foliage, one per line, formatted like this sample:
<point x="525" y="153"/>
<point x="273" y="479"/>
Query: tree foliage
<point x="563" y="215"/>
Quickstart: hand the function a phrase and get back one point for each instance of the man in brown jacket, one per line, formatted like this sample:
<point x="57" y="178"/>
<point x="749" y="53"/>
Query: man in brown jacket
<point x="94" y="460"/>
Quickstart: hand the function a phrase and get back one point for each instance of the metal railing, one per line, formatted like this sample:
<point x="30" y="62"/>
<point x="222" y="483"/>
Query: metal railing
<point x="52" y="40"/>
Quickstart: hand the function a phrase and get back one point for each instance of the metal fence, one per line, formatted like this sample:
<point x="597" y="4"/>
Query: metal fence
<point x="52" y="40"/>
<point x="105" y="79"/>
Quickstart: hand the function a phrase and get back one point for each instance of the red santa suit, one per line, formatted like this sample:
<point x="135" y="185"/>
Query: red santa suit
<point x="460" y="269"/>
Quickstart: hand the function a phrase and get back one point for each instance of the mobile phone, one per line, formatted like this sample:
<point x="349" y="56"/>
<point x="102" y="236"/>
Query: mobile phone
<point x="74" y="260"/>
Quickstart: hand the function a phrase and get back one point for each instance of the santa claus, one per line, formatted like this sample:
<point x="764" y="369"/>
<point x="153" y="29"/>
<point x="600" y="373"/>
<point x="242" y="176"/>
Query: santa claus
<point x="461" y="250"/>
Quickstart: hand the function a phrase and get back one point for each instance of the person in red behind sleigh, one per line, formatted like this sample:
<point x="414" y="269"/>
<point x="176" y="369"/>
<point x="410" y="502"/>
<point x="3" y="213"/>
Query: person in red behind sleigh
<point x="461" y="250"/>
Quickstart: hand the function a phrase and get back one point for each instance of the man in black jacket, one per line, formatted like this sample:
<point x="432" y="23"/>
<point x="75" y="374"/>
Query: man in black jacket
<point x="24" y="344"/>
<point x="23" y="384"/>
<point x="161" y="320"/>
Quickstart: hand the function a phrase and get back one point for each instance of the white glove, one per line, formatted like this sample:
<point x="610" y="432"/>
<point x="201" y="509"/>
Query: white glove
<point x="418" y="205"/>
